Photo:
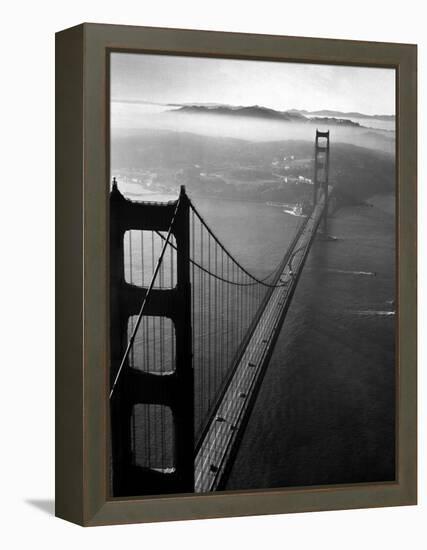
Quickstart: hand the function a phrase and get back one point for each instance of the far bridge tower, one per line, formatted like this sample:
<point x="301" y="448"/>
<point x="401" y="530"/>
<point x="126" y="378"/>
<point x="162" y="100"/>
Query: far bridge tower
<point x="321" y="171"/>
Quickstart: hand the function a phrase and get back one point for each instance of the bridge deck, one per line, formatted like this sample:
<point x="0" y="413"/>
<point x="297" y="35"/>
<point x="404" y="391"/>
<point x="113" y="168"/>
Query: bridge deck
<point x="226" y="426"/>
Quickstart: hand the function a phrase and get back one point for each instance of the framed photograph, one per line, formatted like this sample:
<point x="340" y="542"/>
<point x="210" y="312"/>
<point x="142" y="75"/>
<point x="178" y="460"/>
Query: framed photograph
<point x="236" y="274"/>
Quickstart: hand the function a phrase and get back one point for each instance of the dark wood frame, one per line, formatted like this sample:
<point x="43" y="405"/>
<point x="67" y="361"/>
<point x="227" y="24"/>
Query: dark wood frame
<point x="82" y="342"/>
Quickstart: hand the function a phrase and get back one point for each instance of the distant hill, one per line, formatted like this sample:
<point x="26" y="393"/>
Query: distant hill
<point x="257" y="111"/>
<point x="251" y="111"/>
<point x="340" y="114"/>
<point x="333" y="121"/>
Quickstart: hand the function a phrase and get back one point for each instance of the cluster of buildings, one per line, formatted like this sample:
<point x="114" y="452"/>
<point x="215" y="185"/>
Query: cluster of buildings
<point x="289" y="170"/>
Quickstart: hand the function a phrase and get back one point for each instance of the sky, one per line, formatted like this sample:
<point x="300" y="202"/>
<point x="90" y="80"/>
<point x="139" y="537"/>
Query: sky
<point x="277" y="85"/>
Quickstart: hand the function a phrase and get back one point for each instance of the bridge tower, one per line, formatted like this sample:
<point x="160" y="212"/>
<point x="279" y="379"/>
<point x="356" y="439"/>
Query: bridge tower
<point x="137" y="387"/>
<point x="321" y="171"/>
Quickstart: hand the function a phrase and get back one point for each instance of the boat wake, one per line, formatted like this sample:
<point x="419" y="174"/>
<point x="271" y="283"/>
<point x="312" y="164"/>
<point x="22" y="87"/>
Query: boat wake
<point x="346" y="272"/>
<point x="375" y="313"/>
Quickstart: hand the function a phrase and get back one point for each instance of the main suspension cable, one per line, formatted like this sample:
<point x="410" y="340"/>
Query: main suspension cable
<point x="255" y="279"/>
<point x="223" y="279"/>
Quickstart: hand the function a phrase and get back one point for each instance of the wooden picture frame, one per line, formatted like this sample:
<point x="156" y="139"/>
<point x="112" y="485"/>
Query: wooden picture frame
<point x="82" y="304"/>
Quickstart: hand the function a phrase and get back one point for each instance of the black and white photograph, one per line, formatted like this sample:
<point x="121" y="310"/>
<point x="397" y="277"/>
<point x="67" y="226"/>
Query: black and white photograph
<point x="252" y="221"/>
<point x="213" y="254"/>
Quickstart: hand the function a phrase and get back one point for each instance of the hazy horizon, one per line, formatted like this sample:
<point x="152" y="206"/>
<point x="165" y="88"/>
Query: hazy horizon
<point x="174" y="105"/>
<point x="163" y="80"/>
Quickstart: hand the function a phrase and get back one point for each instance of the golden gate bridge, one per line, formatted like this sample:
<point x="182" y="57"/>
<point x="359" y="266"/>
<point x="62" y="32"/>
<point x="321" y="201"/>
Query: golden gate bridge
<point x="192" y="332"/>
